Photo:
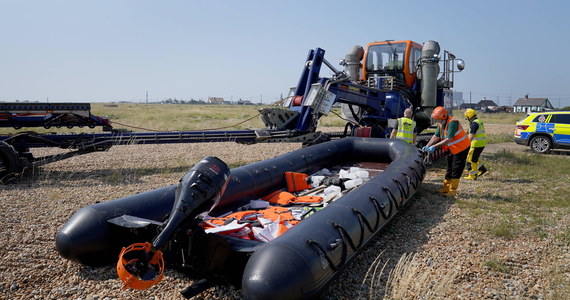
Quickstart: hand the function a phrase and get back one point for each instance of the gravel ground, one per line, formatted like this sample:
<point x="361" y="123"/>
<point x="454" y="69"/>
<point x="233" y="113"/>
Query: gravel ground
<point x="430" y="225"/>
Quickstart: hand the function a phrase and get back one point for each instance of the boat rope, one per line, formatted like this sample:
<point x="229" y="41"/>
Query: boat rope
<point x="403" y="194"/>
<point x="363" y="219"/>
<point x="361" y="239"/>
<point x="418" y="177"/>
<point x="323" y="253"/>
<point x="410" y="182"/>
<point x="422" y="166"/>
<point x="392" y="200"/>
<point x="345" y="236"/>
<point x="205" y="129"/>
<point x="346" y="120"/>
<point x="379" y="209"/>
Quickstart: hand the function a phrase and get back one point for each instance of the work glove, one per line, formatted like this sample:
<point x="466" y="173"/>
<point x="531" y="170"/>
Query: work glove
<point x="431" y="149"/>
<point x="425" y="149"/>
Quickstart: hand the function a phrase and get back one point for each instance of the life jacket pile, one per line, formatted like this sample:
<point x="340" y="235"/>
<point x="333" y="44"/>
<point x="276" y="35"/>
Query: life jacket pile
<point x="282" y="211"/>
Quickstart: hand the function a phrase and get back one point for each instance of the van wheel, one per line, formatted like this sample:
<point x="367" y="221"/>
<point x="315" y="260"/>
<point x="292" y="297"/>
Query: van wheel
<point x="540" y="144"/>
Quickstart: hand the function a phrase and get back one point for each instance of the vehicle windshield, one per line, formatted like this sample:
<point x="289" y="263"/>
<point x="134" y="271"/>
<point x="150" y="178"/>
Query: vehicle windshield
<point x="385" y="57"/>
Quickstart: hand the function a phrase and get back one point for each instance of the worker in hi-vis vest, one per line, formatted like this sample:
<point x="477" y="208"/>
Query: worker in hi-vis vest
<point x="405" y="128"/>
<point x="478" y="143"/>
<point x="449" y="135"/>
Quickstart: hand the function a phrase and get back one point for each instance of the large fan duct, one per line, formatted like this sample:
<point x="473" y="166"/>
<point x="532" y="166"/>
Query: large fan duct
<point x="352" y="68"/>
<point x="352" y="62"/>
<point x="429" y="72"/>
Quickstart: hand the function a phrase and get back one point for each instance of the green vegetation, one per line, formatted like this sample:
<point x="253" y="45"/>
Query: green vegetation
<point x="522" y="198"/>
<point x="180" y="117"/>
<point x="500" y="118"/>
<point x="167" y="117"/>
<point x="498" y="266"/>
<point x="493" y="118"/>
<point x="495" y="138"/>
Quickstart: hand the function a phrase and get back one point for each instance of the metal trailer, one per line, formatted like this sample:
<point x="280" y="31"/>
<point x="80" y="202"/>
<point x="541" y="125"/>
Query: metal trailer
<point x="376" y="86"/>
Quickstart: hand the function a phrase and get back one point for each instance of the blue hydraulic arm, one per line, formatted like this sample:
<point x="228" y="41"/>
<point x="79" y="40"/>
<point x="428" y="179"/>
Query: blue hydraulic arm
<point x="309" y="76"/>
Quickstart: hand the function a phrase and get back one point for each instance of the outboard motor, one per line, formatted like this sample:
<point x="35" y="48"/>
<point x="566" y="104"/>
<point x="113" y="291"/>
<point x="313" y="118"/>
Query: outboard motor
<point x="141" y="265"/>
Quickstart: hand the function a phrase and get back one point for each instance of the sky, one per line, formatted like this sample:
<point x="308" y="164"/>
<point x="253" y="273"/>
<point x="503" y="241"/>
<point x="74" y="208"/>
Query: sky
<point x="117" y="50"/>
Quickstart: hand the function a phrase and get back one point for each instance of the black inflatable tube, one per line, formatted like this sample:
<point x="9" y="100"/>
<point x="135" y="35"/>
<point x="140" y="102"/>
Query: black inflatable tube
<point x="89" y="239"/>
<point x="303" y="261"/>
<point x="310" y="255"/>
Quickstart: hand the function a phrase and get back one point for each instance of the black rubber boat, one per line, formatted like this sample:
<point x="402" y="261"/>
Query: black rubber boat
<point x="299" y="264"/>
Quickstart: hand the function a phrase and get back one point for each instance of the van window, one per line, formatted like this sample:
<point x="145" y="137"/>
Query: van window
<point x="560" y="119"/>
<point x="540" y="118"/>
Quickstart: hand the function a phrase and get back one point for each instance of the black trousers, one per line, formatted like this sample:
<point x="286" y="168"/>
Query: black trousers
<point x="474" y="154"/>
<point x="456" y="164"/>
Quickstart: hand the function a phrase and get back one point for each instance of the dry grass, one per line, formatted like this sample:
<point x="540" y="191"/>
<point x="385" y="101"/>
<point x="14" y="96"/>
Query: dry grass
<point x="412" y="278"/>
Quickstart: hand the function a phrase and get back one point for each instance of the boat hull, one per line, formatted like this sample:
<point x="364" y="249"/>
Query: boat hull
<point x="298" y="264"/>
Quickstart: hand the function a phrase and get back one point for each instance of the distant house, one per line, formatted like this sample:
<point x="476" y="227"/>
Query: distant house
<point x="215" y="100"/>
<point x="485" y="105"/>
<point x="528" y="105"/>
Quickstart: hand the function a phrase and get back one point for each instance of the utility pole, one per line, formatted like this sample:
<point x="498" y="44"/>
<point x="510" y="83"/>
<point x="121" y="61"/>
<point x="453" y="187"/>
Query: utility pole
<point x="147" y="96"/>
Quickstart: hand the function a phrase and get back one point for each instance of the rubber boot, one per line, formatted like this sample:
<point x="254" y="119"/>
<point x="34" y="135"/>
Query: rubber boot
<point x="453" y="188"/>
<point x="446" y="186"/>
<point x="472" y="172"/>
<point x="482" y="170"/>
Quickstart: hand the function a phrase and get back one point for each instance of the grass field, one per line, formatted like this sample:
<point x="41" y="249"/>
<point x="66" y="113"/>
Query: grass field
<point x="167" y="117"/>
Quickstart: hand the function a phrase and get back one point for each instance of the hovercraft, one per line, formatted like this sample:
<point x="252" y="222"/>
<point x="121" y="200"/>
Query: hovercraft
<point x="215" y="222"/>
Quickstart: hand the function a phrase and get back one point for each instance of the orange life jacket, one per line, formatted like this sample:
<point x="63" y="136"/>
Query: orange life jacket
<point x="308" y="200"/>
<point x="247" y="215"/>
<point x="273" y="213"/>
<point x="285" y="198"/>
<point x="282" y="215"/>
<point x="279" y="197"/>
<point x="296" y="181"/>
<point x="459" y="142"/>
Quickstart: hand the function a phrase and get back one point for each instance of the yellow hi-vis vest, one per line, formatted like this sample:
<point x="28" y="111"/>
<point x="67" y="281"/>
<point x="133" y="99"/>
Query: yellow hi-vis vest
<point x="405" y="129"/>
<point x="479" y="138"/>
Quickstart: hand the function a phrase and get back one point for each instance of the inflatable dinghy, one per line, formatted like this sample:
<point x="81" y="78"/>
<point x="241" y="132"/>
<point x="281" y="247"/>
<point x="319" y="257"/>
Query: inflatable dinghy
<point x="199" y="225"/>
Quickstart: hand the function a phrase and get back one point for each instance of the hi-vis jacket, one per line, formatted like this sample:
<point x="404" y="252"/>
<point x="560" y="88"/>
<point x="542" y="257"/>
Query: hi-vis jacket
<point x="405" y="130"/>
<point x="479" y="138"/>
<point x="459" y="142"/>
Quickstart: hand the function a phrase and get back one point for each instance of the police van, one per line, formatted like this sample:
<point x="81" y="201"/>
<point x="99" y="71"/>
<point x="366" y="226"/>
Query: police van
<point x="544" y="131"/>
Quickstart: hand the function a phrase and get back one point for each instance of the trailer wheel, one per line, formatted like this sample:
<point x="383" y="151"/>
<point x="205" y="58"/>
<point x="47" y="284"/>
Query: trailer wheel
<point x="9" y="163"/>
